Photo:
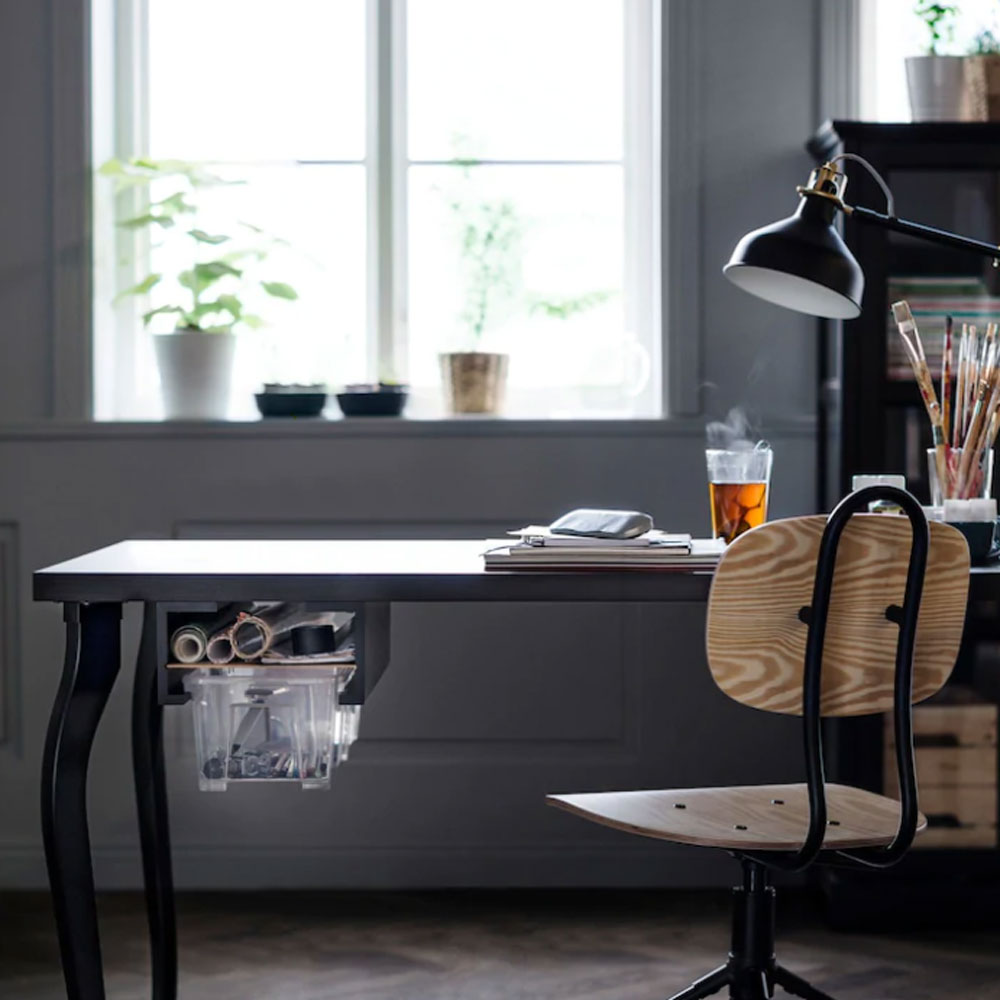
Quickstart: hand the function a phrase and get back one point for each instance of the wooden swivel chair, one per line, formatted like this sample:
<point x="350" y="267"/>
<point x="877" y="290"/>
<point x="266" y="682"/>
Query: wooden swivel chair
<point x="812" y="616"/>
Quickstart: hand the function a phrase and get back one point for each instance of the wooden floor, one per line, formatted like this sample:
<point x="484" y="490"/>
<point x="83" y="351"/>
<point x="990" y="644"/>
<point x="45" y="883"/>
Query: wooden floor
<point x="568" y="946"/>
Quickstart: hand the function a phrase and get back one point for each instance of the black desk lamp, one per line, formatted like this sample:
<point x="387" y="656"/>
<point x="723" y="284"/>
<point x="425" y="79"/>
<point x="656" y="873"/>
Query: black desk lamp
<point x="802" y="262"/>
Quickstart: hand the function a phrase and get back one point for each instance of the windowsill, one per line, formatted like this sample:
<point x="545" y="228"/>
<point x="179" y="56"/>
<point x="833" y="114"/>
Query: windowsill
<point x="375" y="427"/>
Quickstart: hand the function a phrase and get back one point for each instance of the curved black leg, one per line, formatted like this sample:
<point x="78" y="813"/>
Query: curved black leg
<point x="93" y="657"/>
<point x="151" y="800"/>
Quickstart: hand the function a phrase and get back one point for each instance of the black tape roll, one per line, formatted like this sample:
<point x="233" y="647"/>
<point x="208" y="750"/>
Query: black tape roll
<point x="309" y="639"/>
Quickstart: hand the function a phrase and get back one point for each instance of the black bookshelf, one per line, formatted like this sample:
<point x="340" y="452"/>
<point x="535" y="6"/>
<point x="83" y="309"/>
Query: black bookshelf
<point x="946" y="175"/>
<point x="942" y="174"/>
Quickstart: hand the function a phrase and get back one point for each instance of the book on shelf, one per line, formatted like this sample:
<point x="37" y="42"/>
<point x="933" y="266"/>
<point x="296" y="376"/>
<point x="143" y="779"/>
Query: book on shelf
<point x="932" y="298"/>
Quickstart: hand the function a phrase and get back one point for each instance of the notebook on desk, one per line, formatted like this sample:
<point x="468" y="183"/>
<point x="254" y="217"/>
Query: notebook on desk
<point x="590" y="553"/>
<point x="545" y="537"/>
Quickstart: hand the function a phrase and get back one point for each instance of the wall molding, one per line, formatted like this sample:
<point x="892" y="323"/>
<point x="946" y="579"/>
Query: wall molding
<point x="10" y="642"/>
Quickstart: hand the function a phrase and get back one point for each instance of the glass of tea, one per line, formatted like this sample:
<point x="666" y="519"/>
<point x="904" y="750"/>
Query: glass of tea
<point x="738" y="485"/>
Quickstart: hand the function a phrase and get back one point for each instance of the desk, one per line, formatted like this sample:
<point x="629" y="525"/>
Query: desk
<point x="366" y="576"/>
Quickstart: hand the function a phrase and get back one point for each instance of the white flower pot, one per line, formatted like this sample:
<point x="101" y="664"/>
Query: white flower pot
<point x="936" y="85"/>
<point x="195" y="373"/>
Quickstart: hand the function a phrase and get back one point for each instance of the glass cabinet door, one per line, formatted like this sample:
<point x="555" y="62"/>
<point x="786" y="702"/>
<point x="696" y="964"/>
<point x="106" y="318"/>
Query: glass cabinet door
<point x="937" y="282"/>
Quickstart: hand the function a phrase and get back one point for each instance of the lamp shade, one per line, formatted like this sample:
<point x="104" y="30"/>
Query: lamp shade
<point x="801" y="263"/>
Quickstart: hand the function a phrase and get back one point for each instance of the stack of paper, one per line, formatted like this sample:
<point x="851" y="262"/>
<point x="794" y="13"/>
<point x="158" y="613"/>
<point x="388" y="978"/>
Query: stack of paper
<point x="538" y="548"/>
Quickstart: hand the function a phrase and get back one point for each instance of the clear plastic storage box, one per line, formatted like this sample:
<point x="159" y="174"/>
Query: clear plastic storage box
<point x="255" y="724"/>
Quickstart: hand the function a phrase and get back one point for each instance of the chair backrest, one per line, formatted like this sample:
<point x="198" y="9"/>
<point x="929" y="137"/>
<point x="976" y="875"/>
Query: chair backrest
<point x="756" y="639"/>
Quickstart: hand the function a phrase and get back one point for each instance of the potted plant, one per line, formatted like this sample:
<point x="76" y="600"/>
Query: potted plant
<point x="490" y="232"/>
<point x="936" y="82"/>
<point x="206" y="297"/>
<point x="982" y="78"/>
<point x="475" y="381"/>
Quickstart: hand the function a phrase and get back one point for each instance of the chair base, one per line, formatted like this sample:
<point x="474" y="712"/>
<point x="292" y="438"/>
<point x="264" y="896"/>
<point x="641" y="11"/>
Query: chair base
<point x="752" y="971"/>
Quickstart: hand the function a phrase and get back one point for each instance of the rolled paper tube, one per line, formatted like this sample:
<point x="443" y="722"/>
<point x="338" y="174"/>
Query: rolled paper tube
<point x="188" y="644"/>
<point x="254" y="634"/>
<point x="220" y="648"/>
<point x="251" y="636"/>
<point x="191" y="643"/>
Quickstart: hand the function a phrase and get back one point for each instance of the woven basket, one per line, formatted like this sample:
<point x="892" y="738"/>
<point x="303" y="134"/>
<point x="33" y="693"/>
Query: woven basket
<point x="982" y="88"/>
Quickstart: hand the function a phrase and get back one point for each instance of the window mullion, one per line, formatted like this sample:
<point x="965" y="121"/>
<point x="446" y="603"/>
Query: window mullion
<point x="641" y="262"/>
<point x="386" y="188"/>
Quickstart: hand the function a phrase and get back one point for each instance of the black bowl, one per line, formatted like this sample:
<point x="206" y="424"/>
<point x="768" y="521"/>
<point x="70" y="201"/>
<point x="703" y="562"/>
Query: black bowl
<point x="374" y="403"/>
<point x="982" y="539"/>
<point x="290" y="404"/>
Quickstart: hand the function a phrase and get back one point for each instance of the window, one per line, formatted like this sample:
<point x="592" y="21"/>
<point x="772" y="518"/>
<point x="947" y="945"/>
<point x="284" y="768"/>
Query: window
<point x="891" y="31"/>
<point x="383" y="141"/>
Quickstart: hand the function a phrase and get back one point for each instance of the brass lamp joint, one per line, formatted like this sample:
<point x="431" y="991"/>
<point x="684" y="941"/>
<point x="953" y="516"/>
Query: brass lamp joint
<point x="826" y="182"/>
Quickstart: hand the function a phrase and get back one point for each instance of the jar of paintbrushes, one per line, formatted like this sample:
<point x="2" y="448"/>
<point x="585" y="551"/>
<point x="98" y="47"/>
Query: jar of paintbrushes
<point x="965" y="422"/>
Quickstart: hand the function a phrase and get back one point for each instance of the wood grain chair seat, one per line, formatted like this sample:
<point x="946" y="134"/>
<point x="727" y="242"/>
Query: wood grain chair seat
<point x="854" y="614"/>
<point x="743" y="817"/>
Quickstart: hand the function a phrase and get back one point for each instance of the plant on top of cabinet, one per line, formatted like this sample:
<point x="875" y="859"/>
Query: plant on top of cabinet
<point x="936" y="82"/>
<point x="982" y="76"/>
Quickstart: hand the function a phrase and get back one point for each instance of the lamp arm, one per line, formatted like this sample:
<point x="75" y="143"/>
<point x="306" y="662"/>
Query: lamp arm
<point x="921" y="232"/>
<point x="890" y="201"/>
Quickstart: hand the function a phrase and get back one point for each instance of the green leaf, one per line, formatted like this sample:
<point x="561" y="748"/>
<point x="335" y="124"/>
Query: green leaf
<point x="138" y="221"/>
<point x="147" y="316"/>
<point x="223" y="304"/>
<point x="172" y="205"/>
<point x="140" y="289"/>
<point x="111" y="168"/>
<point x="202" y="237"/>
<point x="216" y="269"/>
<point x="279" y="290"/>
<point x="204" y="274"/>
<point x="252" y="320"/>
<point x="231" y="304"/>
<point x="235" y="255"/>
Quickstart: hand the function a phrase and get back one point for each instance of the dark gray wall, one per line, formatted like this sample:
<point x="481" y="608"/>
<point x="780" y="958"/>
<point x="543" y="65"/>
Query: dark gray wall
<point x="483" y="709"/>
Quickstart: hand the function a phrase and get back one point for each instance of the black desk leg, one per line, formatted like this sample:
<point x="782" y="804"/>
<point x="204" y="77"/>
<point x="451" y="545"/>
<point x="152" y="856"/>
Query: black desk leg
<point x="151" y="798"/>
<point x="93" y="657"/>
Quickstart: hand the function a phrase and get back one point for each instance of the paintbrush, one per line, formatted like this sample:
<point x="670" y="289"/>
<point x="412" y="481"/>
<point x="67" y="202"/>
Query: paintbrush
<point x="985" y="388"/>
<point x="958" y="419"/>
<point x="914" y="348"/>
<point x="946" y="402"/>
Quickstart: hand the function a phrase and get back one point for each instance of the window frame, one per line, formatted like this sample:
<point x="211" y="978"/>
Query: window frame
<point x="120" y="88"/>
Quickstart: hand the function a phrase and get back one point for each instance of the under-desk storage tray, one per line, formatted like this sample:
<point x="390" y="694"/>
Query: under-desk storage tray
<point x="257" y="724"/>
<point x="275" y="688"/>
